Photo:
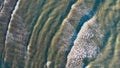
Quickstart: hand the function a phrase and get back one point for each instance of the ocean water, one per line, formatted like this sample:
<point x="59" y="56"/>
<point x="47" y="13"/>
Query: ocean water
<point x="59" y="34"/>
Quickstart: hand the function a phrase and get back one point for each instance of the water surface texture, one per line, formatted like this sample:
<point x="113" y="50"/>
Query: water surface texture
<point x="59" y="33"/>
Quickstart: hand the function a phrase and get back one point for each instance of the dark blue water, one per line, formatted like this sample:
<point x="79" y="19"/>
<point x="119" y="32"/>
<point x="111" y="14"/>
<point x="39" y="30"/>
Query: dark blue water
<point x="1" y="5"/>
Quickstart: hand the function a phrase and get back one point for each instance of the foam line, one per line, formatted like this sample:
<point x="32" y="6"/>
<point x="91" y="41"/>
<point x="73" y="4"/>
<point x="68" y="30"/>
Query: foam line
<point x="9" y="26"/>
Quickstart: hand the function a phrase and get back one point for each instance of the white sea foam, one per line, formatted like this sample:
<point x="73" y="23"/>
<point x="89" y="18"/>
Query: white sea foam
<point x="48" y="64"/>
<point x="85" y="46"/>
<point x="9" y="26"/>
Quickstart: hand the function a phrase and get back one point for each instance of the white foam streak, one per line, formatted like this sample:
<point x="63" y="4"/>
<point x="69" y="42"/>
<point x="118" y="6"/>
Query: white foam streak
<point x="85" y="46"/>
<point x="7" y="36"/>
